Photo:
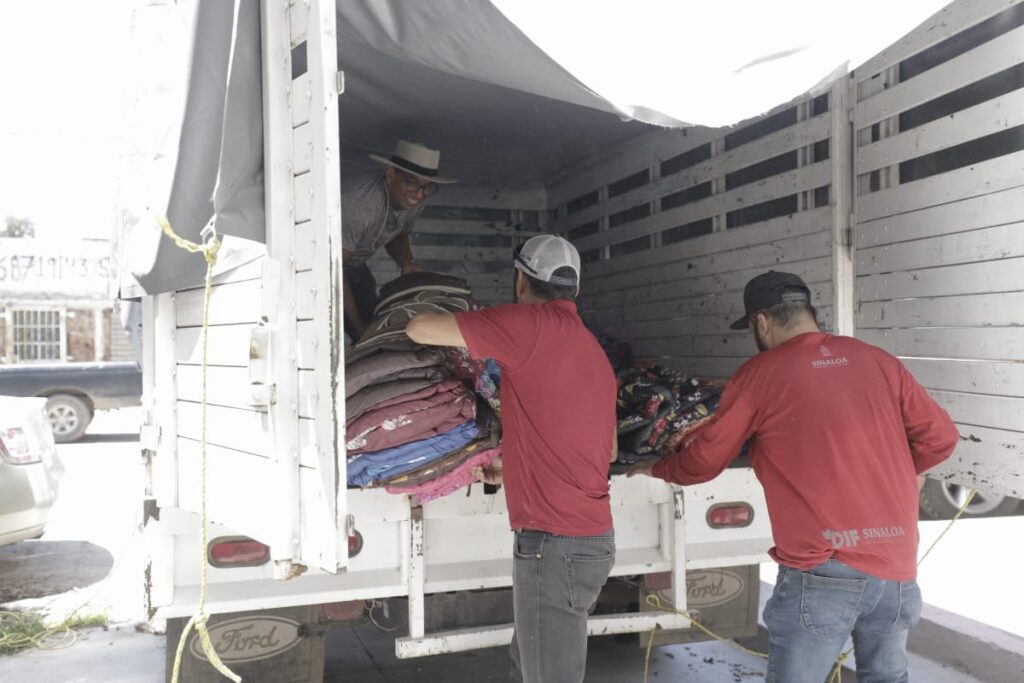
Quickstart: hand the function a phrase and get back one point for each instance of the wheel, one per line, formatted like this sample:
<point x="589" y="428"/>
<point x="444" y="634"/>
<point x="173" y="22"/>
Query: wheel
<point x="943" y="499"/>
<point x="69" y="416"/>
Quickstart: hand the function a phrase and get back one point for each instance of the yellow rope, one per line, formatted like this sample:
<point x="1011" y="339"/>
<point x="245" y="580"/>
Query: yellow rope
<point x="198" y="621"/>
<point x="655" y="601"/>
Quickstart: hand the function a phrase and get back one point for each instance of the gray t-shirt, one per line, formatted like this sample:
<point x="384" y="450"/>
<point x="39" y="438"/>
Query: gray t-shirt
<point x="367" y="220"/>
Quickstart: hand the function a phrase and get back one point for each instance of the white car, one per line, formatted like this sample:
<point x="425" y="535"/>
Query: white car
<point x="30" y="469"/>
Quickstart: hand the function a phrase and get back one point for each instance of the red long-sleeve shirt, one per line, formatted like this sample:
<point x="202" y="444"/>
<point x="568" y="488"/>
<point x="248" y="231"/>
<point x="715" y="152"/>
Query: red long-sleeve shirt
<point x="838" y="431"/>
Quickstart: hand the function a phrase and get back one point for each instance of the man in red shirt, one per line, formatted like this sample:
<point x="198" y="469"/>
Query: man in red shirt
<point x="558" y="438"/>
<point x="838" y="432"/>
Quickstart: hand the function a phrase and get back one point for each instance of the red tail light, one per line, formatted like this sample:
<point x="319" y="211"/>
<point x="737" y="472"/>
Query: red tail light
<point x="730" y="515"/>
<point x="237" y="551"/>
<point x="355" y="543"/>
<point x="14" y="447"/>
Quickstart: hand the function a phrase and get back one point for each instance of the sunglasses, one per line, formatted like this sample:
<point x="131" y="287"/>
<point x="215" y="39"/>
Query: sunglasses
<point x="413" y="184"/>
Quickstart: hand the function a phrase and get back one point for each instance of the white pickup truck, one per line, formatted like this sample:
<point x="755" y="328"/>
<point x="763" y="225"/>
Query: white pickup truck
<point x="896" y="191"/>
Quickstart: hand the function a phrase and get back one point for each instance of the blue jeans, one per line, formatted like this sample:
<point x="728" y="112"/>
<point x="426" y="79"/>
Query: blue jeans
<point x="812" y="613"/>
<point x="555" y="584"/>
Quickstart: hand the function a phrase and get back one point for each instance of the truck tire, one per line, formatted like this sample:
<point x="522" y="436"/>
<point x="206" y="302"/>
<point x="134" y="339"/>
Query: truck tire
<point x="943" y="499"/>
<point x="69" y="416"/>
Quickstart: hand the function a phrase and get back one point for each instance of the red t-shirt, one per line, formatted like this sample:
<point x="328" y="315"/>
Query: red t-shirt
<point x="557" y="414"/>
<point x="838" y="430"/>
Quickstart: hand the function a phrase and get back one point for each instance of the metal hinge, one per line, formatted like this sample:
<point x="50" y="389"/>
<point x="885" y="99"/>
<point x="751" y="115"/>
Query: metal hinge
<point x="341" y="82"/>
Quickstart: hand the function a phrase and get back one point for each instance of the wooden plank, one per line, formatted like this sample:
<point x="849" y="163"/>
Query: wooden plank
<point x="803" y="223"/>
<point x="243" y="429"/>
<point x="969" y="124"/>
<point x="287" y="201"/>
<point x="230" y="304"/>
<point x="768" y="255"/>
<point x="619" y="161"/>
<point x="988" y="210"/>
<point x="792" y="182"/>
<point x="302" y="149"/>
<point x="813" y="271"/>
<point x="693" y="327"/>
<point x="947" y="22"/>
<point x="228" y="471"/>
<point x="996" y="343"/>
<point x="631" y="156"/>
<point x="987" y="244"/>
<point x="229" y="387"/>
<point x="725" y="302"/>
<point x="996" y="412"/>
<point x="252" y="270"/>
<point x="300" y="96"/>
<point x="978" y="310"/>
<point x="993" y="175"/>
<point x="1006" y="275"/>
<point x="228" y="345"/>
<point x="303" y="208"/>
<point x="989" y="459"/>
<point x="999" y="53"/>
<point x="978" y="377"/>
<point x="803" y="133"/>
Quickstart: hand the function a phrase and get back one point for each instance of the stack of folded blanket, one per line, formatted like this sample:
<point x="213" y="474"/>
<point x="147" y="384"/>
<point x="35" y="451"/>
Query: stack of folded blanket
<point x="659" y="408"/>
<point x="418" y="419"/>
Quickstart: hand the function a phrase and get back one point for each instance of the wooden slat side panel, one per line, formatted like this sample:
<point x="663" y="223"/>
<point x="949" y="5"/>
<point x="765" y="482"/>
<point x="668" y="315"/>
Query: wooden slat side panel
<point x="813" y="271"/>
<point x="803" y="133"/>
<point x="771" y="254"/>
<point x="986" y="244"/>
<point x="227" y="471"/>
<point x="230" y="304"/>
<point x="998" y="412"/>
<point x="973" y="213"/>
<point x="998" y="343"/>
<point x="1006" y="275"/>
<point x="945" y="23"/>
<point x="994" y="175"/>
<point x="1005" y="309"/>
<point x="969" y="124"/>
<point x="976" y="377"/>
<point x="982" y="61"/>
<point x="681" y="302"/>
<point x="229" y="387"/>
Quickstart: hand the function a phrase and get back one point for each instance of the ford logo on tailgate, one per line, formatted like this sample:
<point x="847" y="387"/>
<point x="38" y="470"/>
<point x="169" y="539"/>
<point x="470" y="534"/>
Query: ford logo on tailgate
<point x="710" y="587"/>
<point x="248" y="639"/>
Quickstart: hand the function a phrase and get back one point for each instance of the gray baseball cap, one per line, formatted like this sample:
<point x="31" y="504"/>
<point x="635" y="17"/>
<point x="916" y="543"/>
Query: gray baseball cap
<point x="542" y="255"/>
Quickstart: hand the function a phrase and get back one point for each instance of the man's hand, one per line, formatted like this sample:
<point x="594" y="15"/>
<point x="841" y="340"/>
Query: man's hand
<point x="641" y="468"/>
<point x="412" y="267"/>
<point x="492" y="474"/>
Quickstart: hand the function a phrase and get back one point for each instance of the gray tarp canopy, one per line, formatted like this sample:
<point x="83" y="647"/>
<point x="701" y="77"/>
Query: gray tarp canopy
<point x="453" y="74"/>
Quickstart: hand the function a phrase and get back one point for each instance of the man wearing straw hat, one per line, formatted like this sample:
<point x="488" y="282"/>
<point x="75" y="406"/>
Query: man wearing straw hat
<point x="379" y="210"/>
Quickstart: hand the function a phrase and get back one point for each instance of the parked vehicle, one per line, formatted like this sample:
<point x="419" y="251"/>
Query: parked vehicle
<point x="895" y="191"/>
<point x="74" y="391"/>
<point x="943" y="499"/>
<point x="30" y="469"/>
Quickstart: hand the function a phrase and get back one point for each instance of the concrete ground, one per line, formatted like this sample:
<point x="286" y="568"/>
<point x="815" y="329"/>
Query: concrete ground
<point x="94" y="534"/>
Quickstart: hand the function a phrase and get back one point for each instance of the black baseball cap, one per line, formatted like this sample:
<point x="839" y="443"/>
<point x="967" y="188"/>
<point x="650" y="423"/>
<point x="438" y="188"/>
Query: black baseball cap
<point x="767" y="290"/>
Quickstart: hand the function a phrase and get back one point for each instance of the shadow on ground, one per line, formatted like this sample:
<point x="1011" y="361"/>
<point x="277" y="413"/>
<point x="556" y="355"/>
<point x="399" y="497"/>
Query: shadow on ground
<point x="36" y="569"/>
